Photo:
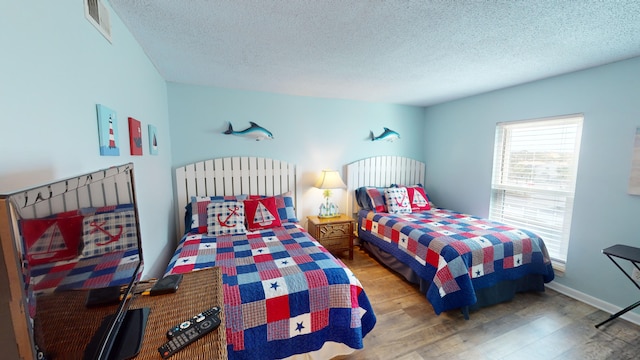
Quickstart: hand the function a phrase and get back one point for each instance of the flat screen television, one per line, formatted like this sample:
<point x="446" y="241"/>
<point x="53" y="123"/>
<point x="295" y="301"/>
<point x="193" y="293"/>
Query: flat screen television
<point x="72" y="237"/>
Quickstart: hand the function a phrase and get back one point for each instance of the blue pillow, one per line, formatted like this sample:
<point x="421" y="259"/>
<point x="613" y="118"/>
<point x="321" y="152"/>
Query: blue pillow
<point x="362" y="198"/>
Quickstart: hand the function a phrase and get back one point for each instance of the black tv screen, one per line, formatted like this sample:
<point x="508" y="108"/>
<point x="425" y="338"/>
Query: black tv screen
<point x="120" y="334"/>
<point x="73" y="237"/>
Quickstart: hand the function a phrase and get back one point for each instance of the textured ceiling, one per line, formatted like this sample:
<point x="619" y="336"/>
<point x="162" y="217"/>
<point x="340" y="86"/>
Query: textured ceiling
<point x="404" y="52"/>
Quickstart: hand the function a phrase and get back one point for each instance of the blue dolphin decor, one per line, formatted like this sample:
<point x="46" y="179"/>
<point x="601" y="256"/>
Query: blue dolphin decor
<point x="388" y="135"/>
<point x="254" y="131"/>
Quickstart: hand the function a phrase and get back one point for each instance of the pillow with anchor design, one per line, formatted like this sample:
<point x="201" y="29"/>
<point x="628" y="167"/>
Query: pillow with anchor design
<point x="109" y="232"/>
<point x="397" y="200"/>
<point x="225" y="218"/>
<point x="196" y="211"/>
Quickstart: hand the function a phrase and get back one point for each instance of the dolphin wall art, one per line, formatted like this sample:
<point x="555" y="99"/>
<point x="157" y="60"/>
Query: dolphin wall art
<point x="388" y="135"/>
<point x="254" y="131"/>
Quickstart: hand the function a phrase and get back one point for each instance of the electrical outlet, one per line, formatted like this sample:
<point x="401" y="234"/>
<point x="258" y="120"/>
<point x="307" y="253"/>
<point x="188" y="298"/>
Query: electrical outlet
<point x="636" y="274"/>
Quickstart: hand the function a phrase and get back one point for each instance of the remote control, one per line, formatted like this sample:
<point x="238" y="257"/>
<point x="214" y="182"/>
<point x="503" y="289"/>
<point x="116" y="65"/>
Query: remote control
<point x="193" y="333"/>
<point x="185" y="325"/>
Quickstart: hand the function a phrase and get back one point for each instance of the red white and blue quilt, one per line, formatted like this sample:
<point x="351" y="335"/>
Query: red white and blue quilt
<point x="284" y="294"/>
<point x="456" y="252"/>
<point x="100" y="271"/>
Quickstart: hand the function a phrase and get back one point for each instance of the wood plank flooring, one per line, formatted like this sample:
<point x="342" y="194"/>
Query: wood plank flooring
<point x="545" y="325"/>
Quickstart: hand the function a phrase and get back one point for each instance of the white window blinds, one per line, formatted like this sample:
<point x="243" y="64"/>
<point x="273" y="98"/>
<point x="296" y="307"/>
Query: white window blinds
<point x="534" y="175"/>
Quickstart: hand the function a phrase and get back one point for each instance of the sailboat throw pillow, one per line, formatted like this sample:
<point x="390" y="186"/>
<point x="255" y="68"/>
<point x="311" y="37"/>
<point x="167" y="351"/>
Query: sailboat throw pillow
<point x="261" y="213"/>
<point x="53" y="239"/>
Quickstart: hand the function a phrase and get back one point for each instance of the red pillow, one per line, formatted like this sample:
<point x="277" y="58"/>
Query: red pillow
<point x="418" y="198"/>
<point x="51" y="240"/>
<point x="261" y="213"/>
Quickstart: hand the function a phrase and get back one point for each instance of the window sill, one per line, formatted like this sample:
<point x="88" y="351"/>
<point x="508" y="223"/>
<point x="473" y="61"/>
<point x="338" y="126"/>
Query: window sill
<point x="558" y="269"/>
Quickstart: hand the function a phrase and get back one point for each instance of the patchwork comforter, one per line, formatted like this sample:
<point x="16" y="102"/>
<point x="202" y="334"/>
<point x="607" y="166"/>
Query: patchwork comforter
<point x="284" y="294"/>
<point x="456" y="252"/>
<point x="105" y="270"/>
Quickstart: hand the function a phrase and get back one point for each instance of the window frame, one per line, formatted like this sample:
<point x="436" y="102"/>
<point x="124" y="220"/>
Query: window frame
<point x="537" y="195"/>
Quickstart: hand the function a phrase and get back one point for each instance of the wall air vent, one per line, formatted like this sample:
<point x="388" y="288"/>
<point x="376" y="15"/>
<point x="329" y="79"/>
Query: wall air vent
<point x="98" y="15"/>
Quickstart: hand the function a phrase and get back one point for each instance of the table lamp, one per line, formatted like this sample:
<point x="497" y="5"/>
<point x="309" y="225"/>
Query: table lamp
<point x="330" y="179"/>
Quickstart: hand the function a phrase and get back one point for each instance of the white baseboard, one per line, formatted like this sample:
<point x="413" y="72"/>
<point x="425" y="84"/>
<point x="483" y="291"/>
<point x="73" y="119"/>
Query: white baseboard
<point x="595" y="302"/>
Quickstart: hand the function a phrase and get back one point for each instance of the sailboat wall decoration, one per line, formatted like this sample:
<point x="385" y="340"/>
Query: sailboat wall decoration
<point x="153" y="140"/>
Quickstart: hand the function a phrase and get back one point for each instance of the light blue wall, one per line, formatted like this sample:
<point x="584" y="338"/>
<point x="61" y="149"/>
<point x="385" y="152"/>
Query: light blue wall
<point x="313" y="133"/>
<point x="459" y="154"/>
<point x="55" y="67"/>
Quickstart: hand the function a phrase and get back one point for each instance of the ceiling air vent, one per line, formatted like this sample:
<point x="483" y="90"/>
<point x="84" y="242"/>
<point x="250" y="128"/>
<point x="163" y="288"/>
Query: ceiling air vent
<point x="98" y="15"/>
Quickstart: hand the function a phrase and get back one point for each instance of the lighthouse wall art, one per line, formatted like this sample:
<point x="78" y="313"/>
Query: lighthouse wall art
<point x="107" y="131"/>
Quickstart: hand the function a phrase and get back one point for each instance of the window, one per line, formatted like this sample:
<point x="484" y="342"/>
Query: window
<point x="534" y="175"/>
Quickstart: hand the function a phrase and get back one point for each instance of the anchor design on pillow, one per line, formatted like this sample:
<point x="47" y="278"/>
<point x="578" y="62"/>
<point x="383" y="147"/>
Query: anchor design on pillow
<point x="234" y="211"/>
<point x="99" y="227"/>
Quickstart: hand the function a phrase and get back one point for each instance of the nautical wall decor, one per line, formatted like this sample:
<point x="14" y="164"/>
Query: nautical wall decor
<point x="107" y="131"/>
<point x="135" y="136"/>
<point x="387" y="134"/>
<point x="254" y="131"/>
<point x="153" y="140"/>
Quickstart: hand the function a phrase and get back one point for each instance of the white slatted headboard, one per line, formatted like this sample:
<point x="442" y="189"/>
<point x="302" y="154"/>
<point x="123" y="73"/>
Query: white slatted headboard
<point x="107" y="187"/>
<point x="381" y="171"/>
<point x="232" y="176"/>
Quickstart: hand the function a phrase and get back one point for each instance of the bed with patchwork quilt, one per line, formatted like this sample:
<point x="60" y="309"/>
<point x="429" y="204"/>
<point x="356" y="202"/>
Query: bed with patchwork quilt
<point x="459" y="254"/>
<point x="285" y="295"/>
<point x="460" y="261"/>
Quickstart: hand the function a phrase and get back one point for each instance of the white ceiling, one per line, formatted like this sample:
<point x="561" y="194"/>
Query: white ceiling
<point x="404" y="52"/>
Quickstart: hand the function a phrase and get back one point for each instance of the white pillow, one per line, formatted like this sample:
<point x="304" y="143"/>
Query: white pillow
<point x="397" y="200"/>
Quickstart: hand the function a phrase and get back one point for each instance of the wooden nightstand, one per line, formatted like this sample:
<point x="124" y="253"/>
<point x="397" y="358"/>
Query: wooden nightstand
<point x="335" y="234"/>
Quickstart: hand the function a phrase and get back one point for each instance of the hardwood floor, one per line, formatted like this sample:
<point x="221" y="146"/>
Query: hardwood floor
<point x="545" y="325"/>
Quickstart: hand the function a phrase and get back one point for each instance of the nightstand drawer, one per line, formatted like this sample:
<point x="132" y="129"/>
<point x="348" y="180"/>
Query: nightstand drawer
<point x="328" y="231"/>
<point x="335" y="243"/>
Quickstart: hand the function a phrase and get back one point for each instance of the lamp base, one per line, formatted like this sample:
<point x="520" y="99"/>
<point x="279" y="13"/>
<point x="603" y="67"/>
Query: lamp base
<point x="321" y="216"/>
<point x="328" y="210"/>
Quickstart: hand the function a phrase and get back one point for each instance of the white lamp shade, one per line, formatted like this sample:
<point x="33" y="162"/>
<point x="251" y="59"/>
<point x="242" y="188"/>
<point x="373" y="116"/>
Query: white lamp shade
<point x="330" y="179"/>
